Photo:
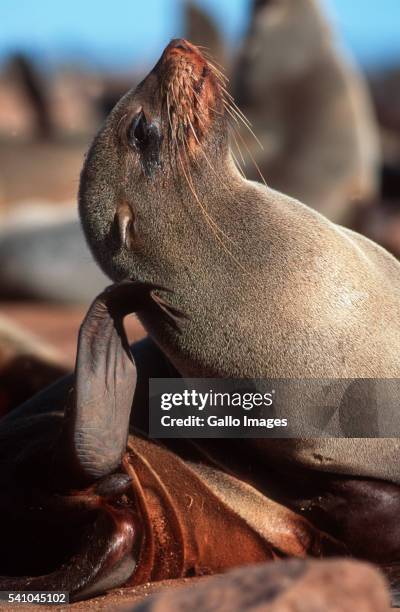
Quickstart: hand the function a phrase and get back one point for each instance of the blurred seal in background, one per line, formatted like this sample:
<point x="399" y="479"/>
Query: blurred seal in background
<point x="310" y="108"/>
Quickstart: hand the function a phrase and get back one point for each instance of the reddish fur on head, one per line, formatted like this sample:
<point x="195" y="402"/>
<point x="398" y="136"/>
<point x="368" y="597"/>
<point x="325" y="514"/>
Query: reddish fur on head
<point x="191" y="90"/>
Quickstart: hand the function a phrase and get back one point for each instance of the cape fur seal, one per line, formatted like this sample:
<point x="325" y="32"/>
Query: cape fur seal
<point x="270" y="287"/>
<point x="310" y="108"/>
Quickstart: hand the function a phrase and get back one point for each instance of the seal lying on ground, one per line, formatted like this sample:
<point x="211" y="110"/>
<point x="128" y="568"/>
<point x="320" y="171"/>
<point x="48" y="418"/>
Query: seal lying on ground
<point x="310" y="108"/>
<point x="270" y="287"/>
<point x="85" y="507"/>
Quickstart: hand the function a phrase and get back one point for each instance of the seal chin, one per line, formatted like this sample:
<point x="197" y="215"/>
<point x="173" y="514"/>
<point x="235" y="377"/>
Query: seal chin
<point x="193" y="92"/>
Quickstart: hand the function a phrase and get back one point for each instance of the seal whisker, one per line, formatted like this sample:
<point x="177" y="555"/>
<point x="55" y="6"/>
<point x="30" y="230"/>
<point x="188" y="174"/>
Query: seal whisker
<point x="210" y="108"/>
<point x="213" y="225"/>
<point x="232" y="115"/>
<point x="231" y="101"/>
<point x="250" y="155"/>
<point x="213" y="171"/>
<point x="237" y="164"/>
<point x="171" y="141"/>
<point x="214" y="66"/>
<point x="195" y="135"/>
<point x="217" y="73"/>
<point x="209" y="220"/>
<point x="209" y="57"/>
<point x="237" y="145"/>
<point x="240" y="118"/>
<point x="222" y="182"/>
<point x="236" y="131"/>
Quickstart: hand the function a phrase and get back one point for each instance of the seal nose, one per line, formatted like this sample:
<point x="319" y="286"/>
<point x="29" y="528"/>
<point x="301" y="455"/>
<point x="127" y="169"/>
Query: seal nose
<point x="180" y="43"/>
<point x="180" y="46"/>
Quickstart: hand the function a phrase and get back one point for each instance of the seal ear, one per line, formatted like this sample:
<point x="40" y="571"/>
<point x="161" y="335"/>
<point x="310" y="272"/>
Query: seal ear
<point x="97" y="418"/>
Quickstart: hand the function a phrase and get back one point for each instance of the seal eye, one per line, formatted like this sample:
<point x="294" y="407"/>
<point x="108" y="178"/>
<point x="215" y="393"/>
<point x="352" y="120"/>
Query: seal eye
<point x="138" y="132"/>
<point x="145" y="137"/>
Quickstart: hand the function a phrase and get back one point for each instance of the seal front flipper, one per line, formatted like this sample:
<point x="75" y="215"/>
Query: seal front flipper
<point x="97" y="420"/>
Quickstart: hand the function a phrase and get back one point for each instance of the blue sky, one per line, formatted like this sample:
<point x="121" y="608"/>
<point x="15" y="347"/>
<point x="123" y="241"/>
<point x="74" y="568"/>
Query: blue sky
<point x="122" y="33"/>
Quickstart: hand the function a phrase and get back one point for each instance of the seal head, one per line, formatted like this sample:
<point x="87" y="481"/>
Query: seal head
<point x="156" y="141"/>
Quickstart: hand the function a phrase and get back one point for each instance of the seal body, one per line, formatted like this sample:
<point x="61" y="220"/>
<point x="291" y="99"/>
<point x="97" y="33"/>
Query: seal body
<point x="309" y="106"/>
<point x="270" y="287"/>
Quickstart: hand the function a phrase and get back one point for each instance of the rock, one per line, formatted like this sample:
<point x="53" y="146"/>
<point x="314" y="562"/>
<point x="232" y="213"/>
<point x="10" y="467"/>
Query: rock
<point x="48" y="259"/>
<point x="287" y="586"/>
